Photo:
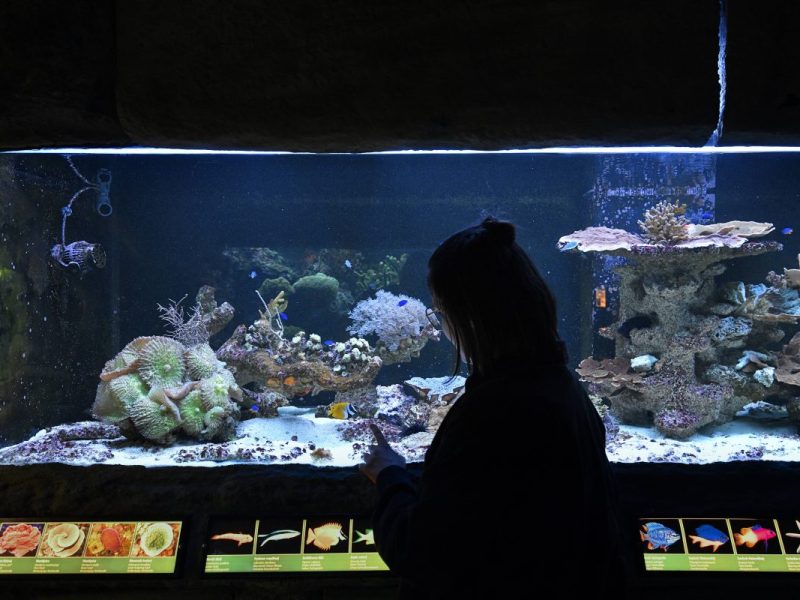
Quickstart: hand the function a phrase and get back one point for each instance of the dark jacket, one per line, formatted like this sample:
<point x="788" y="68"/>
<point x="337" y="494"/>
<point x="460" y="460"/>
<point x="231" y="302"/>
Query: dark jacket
<point x="516" y="493"/>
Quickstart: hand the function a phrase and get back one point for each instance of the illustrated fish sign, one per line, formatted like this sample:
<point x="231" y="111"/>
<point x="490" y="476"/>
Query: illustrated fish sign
<point x="750" y="536"/>
<point x="709" y="536"/>
<point x="658" y="536"/>
<point x="325" y="536"/>
<point x="239" y="538"/>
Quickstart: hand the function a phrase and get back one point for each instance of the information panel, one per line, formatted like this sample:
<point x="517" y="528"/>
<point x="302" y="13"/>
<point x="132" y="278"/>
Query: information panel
<point x="280" y="545"/>
<point x="721" y="544"/>
<point x="39" y="547"/>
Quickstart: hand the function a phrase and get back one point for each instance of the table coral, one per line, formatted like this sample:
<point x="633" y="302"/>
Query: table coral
<point x="695" y="329"/>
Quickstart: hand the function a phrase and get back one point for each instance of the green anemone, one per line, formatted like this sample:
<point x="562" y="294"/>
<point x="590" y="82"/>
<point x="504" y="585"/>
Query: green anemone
<point x="214" y="390"/>
<point x="201" y="362"/>
<point x="162" y="362"/>
<point x="218" y="425"/>
<point x="128" y="388"/>
<point x="192" y="413"/>
<point x="153" y="421"/>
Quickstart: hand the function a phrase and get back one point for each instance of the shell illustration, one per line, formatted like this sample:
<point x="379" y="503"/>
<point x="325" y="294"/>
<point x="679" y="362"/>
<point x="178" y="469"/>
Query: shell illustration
<point x="156" y="538"/>
<point x="65" y="539"/>
<point x="325" y="536"/>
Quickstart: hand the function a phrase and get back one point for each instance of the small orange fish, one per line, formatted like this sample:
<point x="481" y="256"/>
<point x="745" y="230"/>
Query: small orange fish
<point x="290" y="380"/>
<point x="272" y="382"/>
<point x="600" y="296"/>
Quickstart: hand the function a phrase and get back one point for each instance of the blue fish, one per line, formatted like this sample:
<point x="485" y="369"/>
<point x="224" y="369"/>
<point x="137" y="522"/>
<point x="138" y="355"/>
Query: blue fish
<point x="402" y="303"/>
<point x="658" y="536"/>
<point x="283" y="316"/>
<point x="329" y="342"/>
<point x="787" y="231"/>
<point x="348" y="264"/>
<point x="568" y="246"/>
<point x="707" y="216"/>
<point x="254" y="408"/>
<point x="709" y="536"/>
<point x="253" y="274"/>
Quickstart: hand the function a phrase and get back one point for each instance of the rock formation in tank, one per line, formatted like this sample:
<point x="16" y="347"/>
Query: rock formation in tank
<point x="688" y="352"/>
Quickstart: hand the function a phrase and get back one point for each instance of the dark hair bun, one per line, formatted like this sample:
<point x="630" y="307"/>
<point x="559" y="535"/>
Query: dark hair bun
<point x="501" y="232"/>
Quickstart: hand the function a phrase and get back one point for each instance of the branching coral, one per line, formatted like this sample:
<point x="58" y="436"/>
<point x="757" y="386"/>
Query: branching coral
<point x="204" y="319"/>
<point x="397" y="321"/>
<point x="665" y="222"/>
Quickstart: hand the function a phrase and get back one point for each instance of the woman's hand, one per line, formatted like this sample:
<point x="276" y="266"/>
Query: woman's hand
<point x="379" y="456"/>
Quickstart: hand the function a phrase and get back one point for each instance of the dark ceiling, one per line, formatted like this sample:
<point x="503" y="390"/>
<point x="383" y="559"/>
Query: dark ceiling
<point x="350" y="75"/>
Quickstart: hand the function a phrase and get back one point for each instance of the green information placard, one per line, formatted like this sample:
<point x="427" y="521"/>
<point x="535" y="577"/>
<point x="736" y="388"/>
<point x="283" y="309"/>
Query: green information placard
<point x="741" y="544"/>
<point x="40" y="547"/>
<point x="291" y="545"/>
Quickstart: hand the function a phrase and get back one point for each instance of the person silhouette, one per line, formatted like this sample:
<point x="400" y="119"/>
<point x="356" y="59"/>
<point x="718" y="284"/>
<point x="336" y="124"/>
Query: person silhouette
<point x="516" y="497"/>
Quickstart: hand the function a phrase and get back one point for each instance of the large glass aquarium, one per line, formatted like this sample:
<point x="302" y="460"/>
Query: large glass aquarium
<point x="202" y="309"/>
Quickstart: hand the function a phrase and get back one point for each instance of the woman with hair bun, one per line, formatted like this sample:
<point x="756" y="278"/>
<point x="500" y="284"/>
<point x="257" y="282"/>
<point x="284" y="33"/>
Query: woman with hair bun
<point x="536" y="516"/>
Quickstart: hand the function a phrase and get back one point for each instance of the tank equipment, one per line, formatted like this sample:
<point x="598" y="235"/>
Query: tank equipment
<point x="82" y="255"/>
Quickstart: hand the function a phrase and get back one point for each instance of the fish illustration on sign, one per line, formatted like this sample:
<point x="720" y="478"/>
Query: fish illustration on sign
<point x="709" y="536"/>
<point x="658" y="536"/>
<point x="278" y="534"/>
<point x="795" y="535"/>
<point x="239" y="538"/>
<point x="368" y="537"/>
<point x="750" y="536"/>
<point x="325" y="536"/>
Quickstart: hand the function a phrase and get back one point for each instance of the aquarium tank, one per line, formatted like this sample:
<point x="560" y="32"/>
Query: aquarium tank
<point x="200" y="308"/>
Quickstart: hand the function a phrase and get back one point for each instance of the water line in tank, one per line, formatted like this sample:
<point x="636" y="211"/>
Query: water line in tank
<point x="721" y="72"/>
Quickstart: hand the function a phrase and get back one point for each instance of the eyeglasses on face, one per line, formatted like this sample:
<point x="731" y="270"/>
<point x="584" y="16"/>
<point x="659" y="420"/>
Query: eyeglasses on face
<point x="435" y="317"/>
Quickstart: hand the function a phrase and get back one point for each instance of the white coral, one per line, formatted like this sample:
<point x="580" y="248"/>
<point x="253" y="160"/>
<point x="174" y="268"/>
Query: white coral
<point x="388" y="317"/>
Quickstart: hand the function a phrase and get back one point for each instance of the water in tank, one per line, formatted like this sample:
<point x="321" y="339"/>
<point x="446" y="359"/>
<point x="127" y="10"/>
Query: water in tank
<point x="202" y="309"/>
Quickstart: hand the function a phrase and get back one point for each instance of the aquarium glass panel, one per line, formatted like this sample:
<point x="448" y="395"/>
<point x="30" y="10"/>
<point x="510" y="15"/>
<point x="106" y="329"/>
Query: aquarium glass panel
<point x="163" y="309"/>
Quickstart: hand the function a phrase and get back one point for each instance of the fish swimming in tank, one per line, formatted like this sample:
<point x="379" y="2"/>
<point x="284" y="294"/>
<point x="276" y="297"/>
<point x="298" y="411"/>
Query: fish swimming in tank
<point x="342" y="410"/>
<point x="787" y="231"/>
<point x="709" y="536"/>
<point x="658" y="536"/>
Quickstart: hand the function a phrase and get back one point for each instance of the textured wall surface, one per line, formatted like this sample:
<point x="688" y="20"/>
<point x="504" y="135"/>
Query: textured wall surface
<point x="334" y="75"/>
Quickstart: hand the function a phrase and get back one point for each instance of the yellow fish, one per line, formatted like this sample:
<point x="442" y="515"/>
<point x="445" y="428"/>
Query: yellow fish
<point x="341" y="410"/>
<point x="325" y="536"/>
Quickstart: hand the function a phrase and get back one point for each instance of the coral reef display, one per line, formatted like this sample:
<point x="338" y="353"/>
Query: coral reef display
<point x="398" y="321"/>
<point x="679" y="337"/>
<point x="155" y="388"/>
<point x="297" y="366"/>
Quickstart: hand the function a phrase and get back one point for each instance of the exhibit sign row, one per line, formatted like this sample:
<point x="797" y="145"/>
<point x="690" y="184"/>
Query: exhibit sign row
<point x="720" y="544"/>
<point x="270" y="545"/>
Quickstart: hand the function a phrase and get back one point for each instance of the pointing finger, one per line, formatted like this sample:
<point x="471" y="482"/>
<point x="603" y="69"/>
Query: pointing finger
<point x="379" y="437"/>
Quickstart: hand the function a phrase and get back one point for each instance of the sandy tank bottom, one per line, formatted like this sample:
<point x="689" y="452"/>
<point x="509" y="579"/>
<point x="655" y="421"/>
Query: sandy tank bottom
<point x="298" y="437"/>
